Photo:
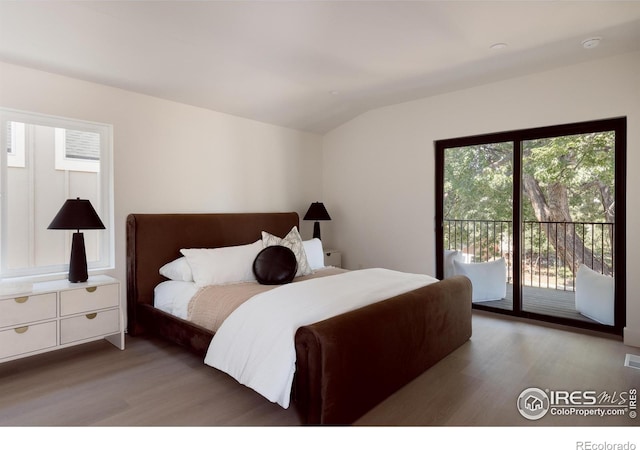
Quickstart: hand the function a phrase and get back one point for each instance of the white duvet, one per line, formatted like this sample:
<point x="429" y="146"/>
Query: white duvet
<point x="255" y="344"/>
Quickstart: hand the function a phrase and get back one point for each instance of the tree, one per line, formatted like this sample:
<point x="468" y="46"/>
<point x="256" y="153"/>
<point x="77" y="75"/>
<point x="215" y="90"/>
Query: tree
<point x="570" y="178"/>
<point x="479" y="182"/>
<point x="564" y="179"/>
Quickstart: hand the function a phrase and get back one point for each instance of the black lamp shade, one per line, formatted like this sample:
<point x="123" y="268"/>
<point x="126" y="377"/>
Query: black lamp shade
<point x="316" y="212"/>
<point x="77" y="215"/>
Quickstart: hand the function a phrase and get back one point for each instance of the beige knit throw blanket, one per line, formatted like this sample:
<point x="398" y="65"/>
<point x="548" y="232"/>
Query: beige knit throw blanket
<point x="211" y="305"/>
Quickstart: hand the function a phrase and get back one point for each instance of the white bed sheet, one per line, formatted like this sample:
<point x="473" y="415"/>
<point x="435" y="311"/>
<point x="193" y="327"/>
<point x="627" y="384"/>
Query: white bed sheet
<point x="173" y="297"/>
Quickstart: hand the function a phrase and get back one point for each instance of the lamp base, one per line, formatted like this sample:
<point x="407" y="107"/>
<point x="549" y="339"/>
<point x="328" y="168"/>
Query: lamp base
<point x="78" y="264"/>
<point x="316" y="230"/>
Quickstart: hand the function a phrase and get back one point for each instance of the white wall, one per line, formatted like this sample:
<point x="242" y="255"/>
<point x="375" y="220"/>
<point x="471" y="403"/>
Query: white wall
<point x="170" y="157"/>
<point x="378" y="169"/>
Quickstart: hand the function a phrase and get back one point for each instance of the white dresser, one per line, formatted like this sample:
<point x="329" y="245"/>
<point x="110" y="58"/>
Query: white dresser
<point x="58" y="314"/>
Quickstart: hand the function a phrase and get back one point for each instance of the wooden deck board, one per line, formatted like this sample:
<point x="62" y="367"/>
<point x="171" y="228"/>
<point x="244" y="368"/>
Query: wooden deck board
<point x="551" y="302"/>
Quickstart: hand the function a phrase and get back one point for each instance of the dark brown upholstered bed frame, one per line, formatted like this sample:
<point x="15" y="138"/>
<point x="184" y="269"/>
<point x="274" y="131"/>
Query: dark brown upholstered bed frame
<point x="346" y="364"/>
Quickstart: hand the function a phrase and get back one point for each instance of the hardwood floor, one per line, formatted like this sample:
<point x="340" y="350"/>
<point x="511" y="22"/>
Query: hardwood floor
<point x="153" y="383"/>
<point x="479" y="383"/>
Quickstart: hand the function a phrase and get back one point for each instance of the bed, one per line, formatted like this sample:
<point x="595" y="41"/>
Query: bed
<point x="344" y="365"/>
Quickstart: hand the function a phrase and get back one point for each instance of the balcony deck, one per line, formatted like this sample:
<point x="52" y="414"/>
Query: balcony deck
<point x="551" y="302"/>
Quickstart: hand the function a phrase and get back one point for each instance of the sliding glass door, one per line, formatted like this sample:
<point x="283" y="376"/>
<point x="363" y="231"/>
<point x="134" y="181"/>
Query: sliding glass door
<point x="568" y="212"/>
<point x="536" y="219"/>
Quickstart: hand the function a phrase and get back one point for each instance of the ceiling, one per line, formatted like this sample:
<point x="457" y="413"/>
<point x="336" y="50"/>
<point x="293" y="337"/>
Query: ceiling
<point x="308" y="65"/>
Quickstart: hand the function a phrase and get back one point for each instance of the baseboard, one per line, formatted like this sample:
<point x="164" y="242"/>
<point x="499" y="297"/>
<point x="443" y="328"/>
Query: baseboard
<point x="631" y="337"/>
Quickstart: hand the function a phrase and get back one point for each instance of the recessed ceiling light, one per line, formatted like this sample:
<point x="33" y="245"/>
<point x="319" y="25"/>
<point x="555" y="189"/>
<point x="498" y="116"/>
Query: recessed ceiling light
<point x="498" y="46"/>
<point x="591" y="42"/>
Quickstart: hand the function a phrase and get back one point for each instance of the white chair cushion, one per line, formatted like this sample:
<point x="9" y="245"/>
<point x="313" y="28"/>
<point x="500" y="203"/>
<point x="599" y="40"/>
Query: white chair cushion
<point x="449" y="257"/>
<point x="488" y="279"/>
<point x="594" y="295"/>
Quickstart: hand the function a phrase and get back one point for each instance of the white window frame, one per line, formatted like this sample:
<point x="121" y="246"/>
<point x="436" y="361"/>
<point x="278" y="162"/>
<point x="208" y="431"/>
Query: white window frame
<point x="64" y="163"/>
<point x="15" y="158"/>
<point x="106" y="192"/>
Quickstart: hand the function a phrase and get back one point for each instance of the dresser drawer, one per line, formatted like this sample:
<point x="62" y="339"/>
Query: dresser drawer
<point x="88" y="299"/>
<point x="32" y="308"/>
<point x="89" y="325"/>
<point x="19" y="340"/>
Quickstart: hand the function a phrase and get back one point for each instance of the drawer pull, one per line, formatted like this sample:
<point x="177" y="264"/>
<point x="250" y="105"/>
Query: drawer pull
<point x="91" y="288"/>
<point x="21" y="330"/>
<point x="91" y="316"/>
<point x="21" y="299"/>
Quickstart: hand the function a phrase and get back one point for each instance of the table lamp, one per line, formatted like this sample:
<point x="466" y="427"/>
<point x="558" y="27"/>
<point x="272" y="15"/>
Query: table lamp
<point x="317" y="212"/>
<point x="77" y="215"/>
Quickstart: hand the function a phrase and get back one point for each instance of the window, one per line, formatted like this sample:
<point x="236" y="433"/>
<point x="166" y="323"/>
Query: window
<point x="48" y="160"/>
<point x="77" y="150"/>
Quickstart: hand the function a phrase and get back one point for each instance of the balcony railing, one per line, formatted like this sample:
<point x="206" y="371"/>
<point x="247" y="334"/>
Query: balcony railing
<point x="551" y="251"/>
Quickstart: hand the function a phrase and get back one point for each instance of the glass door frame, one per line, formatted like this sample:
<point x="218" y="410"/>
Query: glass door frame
<point x="517" y="137"/>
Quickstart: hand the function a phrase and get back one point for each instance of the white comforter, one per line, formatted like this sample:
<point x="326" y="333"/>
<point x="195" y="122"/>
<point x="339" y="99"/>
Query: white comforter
<point x="255" y="344"/>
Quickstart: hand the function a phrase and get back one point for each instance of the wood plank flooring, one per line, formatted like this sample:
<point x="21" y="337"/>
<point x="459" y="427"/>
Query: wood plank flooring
<point x="153" y="383"/>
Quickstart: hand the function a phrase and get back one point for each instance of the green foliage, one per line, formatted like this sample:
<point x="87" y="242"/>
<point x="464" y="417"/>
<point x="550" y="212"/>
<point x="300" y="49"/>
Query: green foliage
<point x="479" y="179"/>
<point x="478" y="182"/>
<point x="581" y="163"/>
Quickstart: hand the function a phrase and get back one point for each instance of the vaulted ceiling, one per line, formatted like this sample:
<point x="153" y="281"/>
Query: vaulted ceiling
<point x="308" y="65"/>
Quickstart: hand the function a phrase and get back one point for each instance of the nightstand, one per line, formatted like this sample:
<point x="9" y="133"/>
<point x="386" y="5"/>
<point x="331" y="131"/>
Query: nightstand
<point x="58" y="314"/>
<point x="332" y="258"/>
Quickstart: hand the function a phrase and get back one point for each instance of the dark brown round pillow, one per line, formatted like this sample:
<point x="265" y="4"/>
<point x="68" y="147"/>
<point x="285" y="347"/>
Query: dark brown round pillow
<point x="275" y="264"/>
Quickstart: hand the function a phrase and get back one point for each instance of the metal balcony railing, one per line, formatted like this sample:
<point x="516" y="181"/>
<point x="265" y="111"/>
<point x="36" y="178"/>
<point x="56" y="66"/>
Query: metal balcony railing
<point x="551" y="251"/>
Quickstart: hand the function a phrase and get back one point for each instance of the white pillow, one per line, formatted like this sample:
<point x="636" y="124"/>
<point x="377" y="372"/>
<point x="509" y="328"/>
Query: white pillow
<point x="489" y="279"/>
<point x="594" y="295"/>
<point x="449" y="257"/>
<point x="315" y="253"/>
<point x="223" y="265"/>
<point x="177" y="270"/>
<point x="173" y="297"/>
<point x="293" y="241"/>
